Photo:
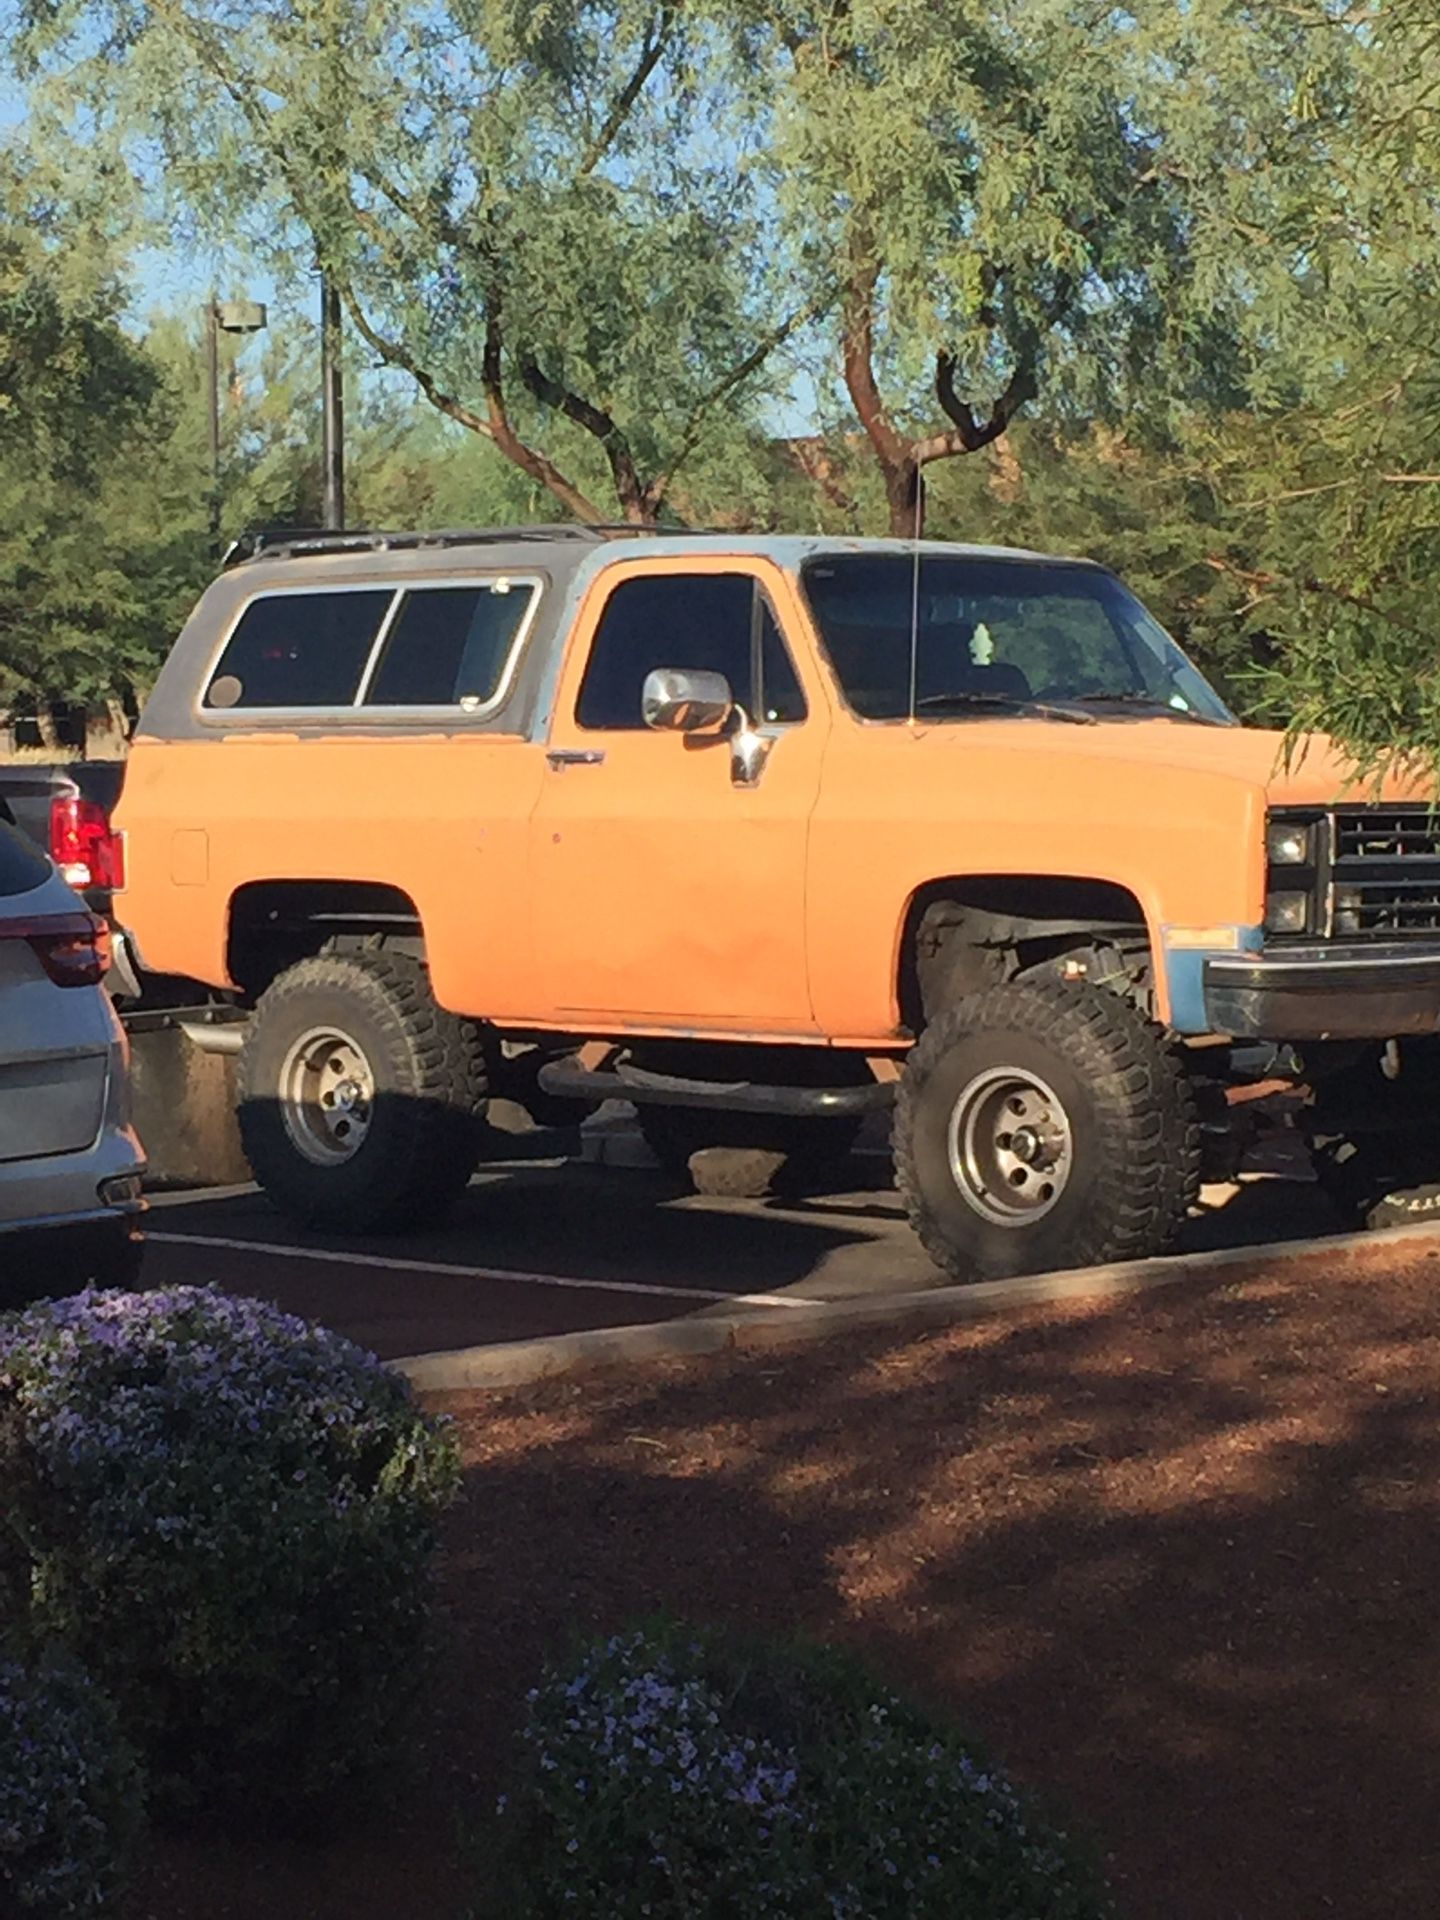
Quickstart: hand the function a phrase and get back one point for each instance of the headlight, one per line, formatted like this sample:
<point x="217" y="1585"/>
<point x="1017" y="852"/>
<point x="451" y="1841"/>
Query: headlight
<point x="1288" y="844"/>
<point x="1287" y="913"/>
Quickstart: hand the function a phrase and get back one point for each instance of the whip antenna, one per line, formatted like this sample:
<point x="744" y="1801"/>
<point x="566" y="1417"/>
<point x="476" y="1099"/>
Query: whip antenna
<point x="915" y="591"/>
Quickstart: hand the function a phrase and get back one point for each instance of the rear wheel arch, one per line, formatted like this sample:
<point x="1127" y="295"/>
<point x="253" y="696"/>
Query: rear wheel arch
<point x="273" y="924"/>
<point x="965" y="933"/>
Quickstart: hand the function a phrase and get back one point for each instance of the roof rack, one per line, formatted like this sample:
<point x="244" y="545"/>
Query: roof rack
<point x="291" y="543"/>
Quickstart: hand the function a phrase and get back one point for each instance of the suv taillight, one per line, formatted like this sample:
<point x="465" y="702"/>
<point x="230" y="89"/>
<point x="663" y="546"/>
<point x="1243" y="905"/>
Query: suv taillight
<point x="73" y="948"/>
<point x="84" y="846"/>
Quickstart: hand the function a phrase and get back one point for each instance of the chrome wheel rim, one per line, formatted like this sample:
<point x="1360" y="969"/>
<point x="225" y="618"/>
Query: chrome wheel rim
<point x="327" y="1096"/>
<point x="1011" y="1147"/>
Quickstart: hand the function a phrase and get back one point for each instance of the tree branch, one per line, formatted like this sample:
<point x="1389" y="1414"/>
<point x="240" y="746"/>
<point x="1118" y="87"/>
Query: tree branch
<point x="659" y="486"/>
<point x="553" y="393"/>
<point x="974" y="434"/>
<point x="1264" y="584"/>
<point x="628" y="95"/>
<point x="946" y="446"/>
<point x="813" y="460"/>
<point x="859" y="363"/>
<point x="494" y="425"/>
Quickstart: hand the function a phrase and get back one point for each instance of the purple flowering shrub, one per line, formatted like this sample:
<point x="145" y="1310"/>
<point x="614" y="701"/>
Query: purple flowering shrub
<point x="228" y="1516"/>
<point x="71" y="1802"/>
<point x="670" y="1773"/>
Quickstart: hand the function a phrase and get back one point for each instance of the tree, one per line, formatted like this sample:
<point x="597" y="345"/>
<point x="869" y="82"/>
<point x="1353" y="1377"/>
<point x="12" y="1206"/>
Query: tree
<point x="545" y="218"/>
<point x="76" y="394"/>
<point x="975" y="185"/>
<point x="1327" y="527"/>
<point x="1047" y="203"/>
<point x="598" y="234"/>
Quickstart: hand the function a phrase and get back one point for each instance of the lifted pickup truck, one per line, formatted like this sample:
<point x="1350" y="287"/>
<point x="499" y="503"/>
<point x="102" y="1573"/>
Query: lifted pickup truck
<point x="764" y="834"/>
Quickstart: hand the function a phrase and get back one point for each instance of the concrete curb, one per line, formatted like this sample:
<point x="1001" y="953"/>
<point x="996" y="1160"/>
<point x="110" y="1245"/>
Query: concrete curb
<point x="521" y="1362"/>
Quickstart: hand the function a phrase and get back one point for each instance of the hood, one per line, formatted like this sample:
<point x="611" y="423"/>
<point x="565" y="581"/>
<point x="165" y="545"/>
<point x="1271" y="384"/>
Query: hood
<point x="1318" y="772"/>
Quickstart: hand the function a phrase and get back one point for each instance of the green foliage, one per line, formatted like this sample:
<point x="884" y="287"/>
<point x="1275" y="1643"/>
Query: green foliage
<point x="71" y="1799"/>
<point x="674" y="1773"/>
<point x="77" y="395"/>
<point x="764" y="265"/>
<point x="1324" y="488"/>
<point x="1324" y="554"/>
<point x="228" y="1516"/>
<point x="538" y="216"/>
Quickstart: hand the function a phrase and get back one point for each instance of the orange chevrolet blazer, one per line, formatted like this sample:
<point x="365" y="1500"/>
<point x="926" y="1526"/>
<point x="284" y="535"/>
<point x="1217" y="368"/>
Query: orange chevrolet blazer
<point x="764" y="835"/>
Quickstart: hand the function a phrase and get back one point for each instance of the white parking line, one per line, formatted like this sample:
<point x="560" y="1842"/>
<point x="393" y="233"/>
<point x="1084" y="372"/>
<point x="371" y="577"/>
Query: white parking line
<point x="390" y="1265"/>
<point x="193" y="1196"/>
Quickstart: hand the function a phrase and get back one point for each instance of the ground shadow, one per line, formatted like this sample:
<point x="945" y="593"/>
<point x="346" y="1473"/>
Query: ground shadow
<point x="1173" y="1557"/>
<point x="528" y="1250"/>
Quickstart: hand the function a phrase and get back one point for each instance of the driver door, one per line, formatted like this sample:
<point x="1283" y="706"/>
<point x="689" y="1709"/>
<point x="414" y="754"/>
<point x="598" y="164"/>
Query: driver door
<point x="665" y="895"/>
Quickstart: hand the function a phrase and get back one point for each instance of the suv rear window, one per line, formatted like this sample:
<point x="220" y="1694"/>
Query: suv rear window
<point x="22" y="866"/>
<point x="299" y="650"/>
<point x="450" y="646"/>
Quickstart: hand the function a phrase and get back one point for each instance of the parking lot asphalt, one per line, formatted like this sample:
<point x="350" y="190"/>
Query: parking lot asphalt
<point x="540" y="1246"/>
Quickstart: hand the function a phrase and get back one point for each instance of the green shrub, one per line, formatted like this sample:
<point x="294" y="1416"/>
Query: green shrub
<point x="228" y="1515"/>
<point x="70" y="1795"/>
<point x="668" y="1773"/>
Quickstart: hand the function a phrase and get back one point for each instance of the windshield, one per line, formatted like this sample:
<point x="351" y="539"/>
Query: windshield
<point x="1008" y="631"/>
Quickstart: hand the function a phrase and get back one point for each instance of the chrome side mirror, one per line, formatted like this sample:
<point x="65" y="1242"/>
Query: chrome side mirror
<point x="686" y="700"/>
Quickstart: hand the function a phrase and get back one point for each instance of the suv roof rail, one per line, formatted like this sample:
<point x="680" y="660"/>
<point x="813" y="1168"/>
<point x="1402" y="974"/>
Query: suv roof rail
<point x="291" y="543"/>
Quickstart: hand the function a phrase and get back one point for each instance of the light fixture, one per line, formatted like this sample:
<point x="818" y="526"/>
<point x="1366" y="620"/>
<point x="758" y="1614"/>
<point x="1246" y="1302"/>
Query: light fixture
<point x="1287" y="913"/>
<point x="1287" y="843"/>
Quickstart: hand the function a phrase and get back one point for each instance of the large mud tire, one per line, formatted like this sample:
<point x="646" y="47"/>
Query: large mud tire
<point x="420" y="1075"/>
<point x="1106" y="1121"/>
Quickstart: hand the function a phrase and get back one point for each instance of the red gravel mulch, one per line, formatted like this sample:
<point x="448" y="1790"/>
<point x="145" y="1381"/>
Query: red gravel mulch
<point x="1174" y="1558"/>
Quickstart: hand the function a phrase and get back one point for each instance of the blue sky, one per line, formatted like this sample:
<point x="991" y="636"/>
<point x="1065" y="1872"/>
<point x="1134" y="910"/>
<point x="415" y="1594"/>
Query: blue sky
<point x="177" y="279"/>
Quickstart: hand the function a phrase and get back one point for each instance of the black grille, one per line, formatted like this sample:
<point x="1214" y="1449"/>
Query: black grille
<point x="1387" y="833"/>
<point x="1384" y="873"/>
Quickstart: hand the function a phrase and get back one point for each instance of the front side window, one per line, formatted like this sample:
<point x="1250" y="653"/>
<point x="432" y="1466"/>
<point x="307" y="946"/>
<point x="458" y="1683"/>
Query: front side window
<point x="960" y="632"/>
<point x="293" y="650"/>
<point x="450" y="646"/>
<point x="709" y="622"/>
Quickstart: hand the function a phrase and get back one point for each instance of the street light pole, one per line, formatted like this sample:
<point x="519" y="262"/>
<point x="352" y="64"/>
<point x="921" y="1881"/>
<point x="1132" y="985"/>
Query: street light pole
<point x="332" y="397"/>
<point x="212" y="377"/>
<point x="222" y="316"/>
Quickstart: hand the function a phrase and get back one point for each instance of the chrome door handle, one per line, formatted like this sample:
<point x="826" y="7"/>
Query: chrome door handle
<point x="574" y="756"/>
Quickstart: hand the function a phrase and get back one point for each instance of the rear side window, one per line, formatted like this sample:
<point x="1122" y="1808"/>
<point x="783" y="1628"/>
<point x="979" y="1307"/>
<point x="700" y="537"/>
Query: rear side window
<point x="450" y="646"/>
<point x="22" y="866"/>
<point x="299" y="650"/>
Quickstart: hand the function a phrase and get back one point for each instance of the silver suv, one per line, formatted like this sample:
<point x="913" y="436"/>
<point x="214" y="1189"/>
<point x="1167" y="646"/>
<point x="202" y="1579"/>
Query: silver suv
<point x="70" y="1163"/>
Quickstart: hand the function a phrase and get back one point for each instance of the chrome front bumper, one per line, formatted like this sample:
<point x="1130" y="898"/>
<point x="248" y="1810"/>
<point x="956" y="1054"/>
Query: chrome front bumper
<point x="1324" y="993"/>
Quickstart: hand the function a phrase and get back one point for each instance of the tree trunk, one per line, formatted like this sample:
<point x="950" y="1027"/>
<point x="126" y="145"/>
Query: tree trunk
<point x="1007" y="476"/>
<point x="906" y="497"/>
<point x="895" y="453"/>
